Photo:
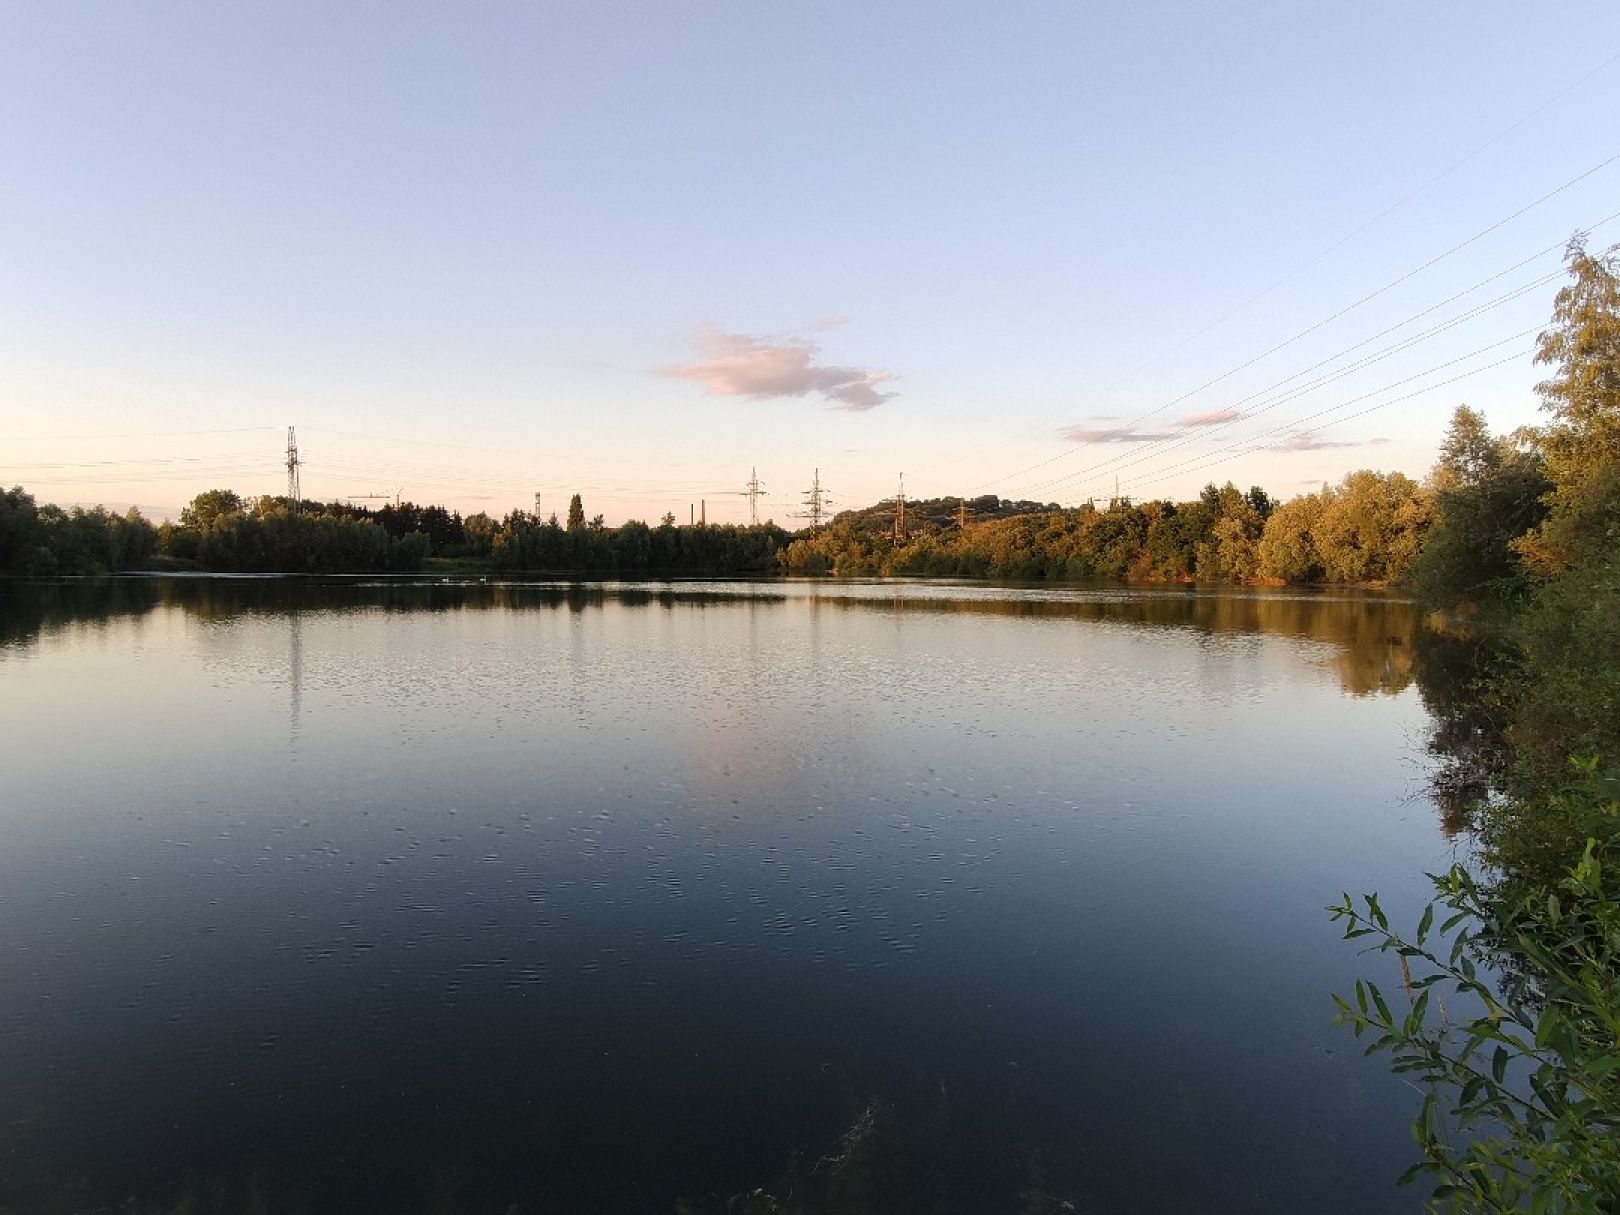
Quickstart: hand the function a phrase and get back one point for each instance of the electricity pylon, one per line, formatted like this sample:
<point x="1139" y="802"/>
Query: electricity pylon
<point x="816" y="501"/>
<point x="754" y="491"/>
<point x="293" y="494"/>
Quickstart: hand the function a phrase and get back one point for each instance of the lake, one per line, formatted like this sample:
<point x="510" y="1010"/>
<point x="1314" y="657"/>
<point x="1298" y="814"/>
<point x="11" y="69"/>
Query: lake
<point x="370" y="895"/>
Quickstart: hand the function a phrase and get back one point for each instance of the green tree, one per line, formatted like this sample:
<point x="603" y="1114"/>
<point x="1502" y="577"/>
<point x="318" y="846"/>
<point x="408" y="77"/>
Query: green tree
<point x="21" y="535"/>
<point x="1468" y="454"/>
<point x="1581" y="445"/>
<point x="1235" y="535"/>
<point x="1287" y="550"/>
<point x="211" y="507"/>
<point x="1371" y="527"/>
<point x="576" y="513"/>
<point x="1488" y="493"/>
<point x="479" y="530"/>
<point x="1570" y="632"/>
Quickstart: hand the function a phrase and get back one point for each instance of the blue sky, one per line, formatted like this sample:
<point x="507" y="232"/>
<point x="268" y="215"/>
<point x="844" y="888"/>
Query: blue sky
<point x="478" y="251"/>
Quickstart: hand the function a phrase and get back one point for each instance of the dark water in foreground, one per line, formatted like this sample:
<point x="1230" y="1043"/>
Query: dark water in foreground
<point x="348" y="897"/>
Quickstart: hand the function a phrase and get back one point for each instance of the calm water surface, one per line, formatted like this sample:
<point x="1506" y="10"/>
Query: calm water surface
<point x="363" y="896"/>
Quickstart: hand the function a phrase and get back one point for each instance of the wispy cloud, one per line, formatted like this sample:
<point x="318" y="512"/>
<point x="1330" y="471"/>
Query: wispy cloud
<point x="1112" y="434"/>
<point x="1310" y="440"/>
<point x="762" y="368"/>
<point x="1214" y="417"/>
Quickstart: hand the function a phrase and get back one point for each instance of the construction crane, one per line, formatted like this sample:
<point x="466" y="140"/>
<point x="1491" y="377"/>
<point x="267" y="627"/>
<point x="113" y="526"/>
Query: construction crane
<point x="395" y="496"/>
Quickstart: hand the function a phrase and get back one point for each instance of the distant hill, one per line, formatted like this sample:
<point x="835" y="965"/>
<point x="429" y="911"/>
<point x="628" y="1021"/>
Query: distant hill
<point x="925" y="515"/>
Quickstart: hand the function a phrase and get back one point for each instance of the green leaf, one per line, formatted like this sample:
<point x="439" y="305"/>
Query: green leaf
<point x="1415" y="1171"/>
<point x="1378" y="1000"/>
<point x="1420" y="1009"/>
<point x="1602" y="1067"/>
<point x="1375" y="913"/>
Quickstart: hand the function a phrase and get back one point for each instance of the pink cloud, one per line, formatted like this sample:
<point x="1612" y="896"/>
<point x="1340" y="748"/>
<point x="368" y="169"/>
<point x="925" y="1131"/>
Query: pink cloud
<point x="737" y="365"/>
<point x="1309" y="440"/>
<point x="1114" y="434"/>
<point x="1214" y="417"/>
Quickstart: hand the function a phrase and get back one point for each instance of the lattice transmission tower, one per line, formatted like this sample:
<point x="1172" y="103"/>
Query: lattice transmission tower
<point x="753" y="490"/>
<point x="816" y="501"/>
<point x="294" y="495"/>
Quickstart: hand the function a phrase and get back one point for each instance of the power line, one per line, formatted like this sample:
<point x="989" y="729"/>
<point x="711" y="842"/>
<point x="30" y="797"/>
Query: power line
<point x="1248" y="445"/>
<point x="1333" y="358"/>
<point x="109" y="478"/>
<point x="365" y="466"/>
<point x="1402" y="201"/>
<point x="439" y="445"/>
<point x="1512" y="358"/>
<point x="1200" y="434"/>
<point x="142" y="434"/>
<point x="1205" y="433"/>
<point x="1342" y="312"/>
<point x="146" y="461"/>
<point x="1311" y="417"/>
<point x="1348" y="237"/>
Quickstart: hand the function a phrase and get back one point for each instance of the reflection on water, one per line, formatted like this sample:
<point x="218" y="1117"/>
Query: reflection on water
<point x="28" y="609"/>
<point x="358" y="895"/>
<point x="1371" y="635"/>
<point x="1456" y="671"/>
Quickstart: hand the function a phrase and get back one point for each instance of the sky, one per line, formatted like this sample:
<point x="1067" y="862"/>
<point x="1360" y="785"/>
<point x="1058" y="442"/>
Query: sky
<point x="475" y="253"/>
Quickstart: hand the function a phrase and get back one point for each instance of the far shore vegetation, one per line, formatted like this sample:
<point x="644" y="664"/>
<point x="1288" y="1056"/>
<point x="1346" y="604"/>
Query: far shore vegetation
<point x="1368" y="529"/>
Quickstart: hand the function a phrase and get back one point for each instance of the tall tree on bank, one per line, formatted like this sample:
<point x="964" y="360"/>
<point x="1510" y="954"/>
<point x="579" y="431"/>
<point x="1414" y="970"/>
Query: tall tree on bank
<point x="1581" y="445"/>
<point x="576" y="514"/>
<point x="1368" y="528"/>
<point x="1488" y="493"/>
<point x="1571" y="633"/>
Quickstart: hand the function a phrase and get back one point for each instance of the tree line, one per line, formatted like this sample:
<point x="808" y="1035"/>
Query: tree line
<point x="219" y="530"/>
<point x="1368" y="529"/>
